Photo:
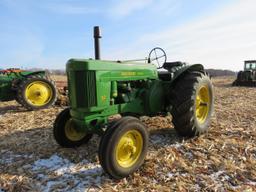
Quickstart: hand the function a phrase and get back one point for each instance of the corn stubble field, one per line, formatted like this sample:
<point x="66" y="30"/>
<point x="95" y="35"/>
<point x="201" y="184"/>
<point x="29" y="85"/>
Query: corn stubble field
<point x="224" y="159"/>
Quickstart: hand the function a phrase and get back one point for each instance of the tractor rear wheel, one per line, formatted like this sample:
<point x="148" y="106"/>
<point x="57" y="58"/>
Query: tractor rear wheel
<point x="123" y="147"/>
<point x="18" y="100"/>
<point x="36" y="93"/>
<point x="192" y="103"/>
<point x="65" y="132"/>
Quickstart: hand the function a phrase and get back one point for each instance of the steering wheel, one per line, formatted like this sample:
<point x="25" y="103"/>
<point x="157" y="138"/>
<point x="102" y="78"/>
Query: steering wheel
<point x="159" y="55"/>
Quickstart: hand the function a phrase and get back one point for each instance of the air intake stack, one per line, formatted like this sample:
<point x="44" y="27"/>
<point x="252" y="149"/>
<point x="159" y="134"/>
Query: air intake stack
<point x="97" y="36"/>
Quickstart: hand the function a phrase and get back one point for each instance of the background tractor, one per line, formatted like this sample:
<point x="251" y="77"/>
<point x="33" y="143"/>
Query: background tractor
<point x="33" y="90"/>
<point x="248" y="76"/>
<point x="99" y="89"/>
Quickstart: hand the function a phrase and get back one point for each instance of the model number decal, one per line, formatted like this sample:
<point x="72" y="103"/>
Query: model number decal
<point x="131" y="73"/>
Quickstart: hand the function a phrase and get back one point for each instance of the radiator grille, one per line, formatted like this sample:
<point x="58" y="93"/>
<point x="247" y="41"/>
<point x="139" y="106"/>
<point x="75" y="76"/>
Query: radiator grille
<point x="85" y="89"/>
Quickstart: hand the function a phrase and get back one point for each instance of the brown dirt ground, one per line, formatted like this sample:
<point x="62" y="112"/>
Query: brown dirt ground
<point x="224" y="159"/>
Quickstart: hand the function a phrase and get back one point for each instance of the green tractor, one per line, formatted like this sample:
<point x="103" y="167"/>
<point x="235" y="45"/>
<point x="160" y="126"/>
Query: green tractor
<point x="33" y="90"/>
<point x="248" y="76"/>
<point x="99" y="89"/>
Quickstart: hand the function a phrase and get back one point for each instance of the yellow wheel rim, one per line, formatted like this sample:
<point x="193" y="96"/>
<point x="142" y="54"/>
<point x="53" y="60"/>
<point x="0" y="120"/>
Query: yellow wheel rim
<point x="38" y="93"/>
<point x="71" y="133"/>
<point x="202" y="104"/>
<point x="129" y="148"/>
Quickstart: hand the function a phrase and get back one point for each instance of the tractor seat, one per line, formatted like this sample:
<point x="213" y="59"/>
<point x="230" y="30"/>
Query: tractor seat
<point x="168" y="65"/>
<point x="165" y="75"/>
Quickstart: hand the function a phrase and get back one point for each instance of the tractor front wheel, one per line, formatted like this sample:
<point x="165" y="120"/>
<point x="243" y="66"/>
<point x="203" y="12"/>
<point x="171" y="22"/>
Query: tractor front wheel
<point x="65" y="132"/>
<point x="123" y="147"/>
<point x="192" y="103"/>
<point x="36" y="93"/>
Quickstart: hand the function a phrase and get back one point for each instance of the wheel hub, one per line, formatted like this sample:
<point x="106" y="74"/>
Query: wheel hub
<point x="129" y="148"/>
<point x="202" y="104"/>
<point x="38" y="93"/>
<point x="72" y="133"/>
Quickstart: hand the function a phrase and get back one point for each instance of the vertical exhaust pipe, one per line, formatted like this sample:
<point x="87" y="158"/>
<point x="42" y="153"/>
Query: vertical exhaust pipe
<point x="97" y="36"/>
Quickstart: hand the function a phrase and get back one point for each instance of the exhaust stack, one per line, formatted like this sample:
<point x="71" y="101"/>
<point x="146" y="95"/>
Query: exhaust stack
<point x="97" y="36"/>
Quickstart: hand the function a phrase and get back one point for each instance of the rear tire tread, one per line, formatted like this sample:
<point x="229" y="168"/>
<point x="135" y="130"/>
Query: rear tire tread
<point x="182" y="99"/>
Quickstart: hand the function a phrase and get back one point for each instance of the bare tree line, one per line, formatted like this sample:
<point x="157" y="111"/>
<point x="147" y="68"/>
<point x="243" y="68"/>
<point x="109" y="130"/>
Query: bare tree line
<point x="212" y="72"/>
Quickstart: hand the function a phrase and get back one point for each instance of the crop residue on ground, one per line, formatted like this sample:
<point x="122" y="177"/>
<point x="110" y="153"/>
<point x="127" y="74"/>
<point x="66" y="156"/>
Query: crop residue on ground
<point x="224" y="159"/>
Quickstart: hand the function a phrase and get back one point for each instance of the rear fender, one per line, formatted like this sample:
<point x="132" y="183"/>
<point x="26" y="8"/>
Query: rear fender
<point x="180" y="71"/>
<point x="41" y="73"/>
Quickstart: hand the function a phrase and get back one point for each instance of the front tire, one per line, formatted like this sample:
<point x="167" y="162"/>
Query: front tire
<point x="123" y="147"/>
<point x="65" y="133"/>
<point x="192" y="103"/>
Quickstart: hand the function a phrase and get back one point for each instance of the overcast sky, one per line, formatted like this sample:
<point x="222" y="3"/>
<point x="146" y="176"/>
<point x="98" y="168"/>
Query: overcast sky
<point x="46" y="33"/>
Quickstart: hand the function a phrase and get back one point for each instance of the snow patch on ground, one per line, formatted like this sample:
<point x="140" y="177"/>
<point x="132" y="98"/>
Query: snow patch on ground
<point x="159" y="139"/>
<point x="251" y="183"/>
<point x="172" y="175"/>
<point x="164" y="140"/>
<point x="8" y="157"/>
<point x="53" y="163"/>
<point x="216" y="175"/>
<point x="57" y="173"/>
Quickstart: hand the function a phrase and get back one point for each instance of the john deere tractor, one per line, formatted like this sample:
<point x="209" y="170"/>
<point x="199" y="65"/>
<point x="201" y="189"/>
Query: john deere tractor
<point x="248" y="76"/>
<point x="33" y="90"/>
<point x="99" y="89"/>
